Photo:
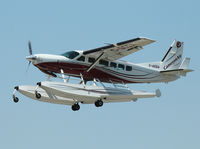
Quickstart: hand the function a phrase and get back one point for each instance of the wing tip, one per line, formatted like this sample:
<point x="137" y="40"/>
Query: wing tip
<point x="148" y="39"/>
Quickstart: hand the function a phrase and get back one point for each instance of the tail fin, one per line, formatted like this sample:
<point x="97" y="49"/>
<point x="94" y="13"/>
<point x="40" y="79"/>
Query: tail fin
<point x="173" y="58"/>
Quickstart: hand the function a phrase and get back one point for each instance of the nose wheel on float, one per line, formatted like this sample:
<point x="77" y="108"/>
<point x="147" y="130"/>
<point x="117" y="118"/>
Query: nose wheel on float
<point x="37" y="95"/>
<point x="15" y="99"/>
<point x="16" y="88"/>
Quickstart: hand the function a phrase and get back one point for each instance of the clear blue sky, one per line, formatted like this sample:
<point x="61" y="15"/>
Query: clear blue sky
<point x="170" y="122"/>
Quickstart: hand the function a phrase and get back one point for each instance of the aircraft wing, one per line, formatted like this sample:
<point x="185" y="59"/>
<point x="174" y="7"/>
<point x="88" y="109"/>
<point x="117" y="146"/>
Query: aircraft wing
<point x="118" y="50"/>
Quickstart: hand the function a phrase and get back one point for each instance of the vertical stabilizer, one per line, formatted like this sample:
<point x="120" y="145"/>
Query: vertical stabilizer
<point x="173" y="57"/>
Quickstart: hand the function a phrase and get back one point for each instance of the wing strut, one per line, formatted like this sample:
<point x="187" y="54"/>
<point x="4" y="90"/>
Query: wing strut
<point x="97" y="60"/>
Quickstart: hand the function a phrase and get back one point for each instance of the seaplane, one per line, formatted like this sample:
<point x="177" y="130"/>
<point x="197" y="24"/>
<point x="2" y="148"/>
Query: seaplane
<point x="102" y="65"/>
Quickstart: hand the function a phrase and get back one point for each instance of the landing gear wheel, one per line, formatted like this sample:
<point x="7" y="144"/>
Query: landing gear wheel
<point x="75" y="107"/>
<point x="37" y="95"/>
<point x="15" y="99"/>
<point x="99" y="103"/>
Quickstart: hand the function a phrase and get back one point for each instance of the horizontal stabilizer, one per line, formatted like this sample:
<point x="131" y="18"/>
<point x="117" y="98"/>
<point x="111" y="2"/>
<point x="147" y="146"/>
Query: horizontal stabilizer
<point x="182" y="72"/>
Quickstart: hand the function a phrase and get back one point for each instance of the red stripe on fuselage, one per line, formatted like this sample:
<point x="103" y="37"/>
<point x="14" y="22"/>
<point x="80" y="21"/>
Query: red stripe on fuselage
<point x="77" y="69"/>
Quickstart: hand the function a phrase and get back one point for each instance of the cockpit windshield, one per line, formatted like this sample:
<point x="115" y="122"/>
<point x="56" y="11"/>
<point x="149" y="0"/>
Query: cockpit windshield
<point x="70" y="54"/>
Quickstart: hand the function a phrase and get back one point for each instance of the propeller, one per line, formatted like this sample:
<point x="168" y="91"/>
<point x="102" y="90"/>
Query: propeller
<point x="30" y="48"/>
<point x="30" y="53"/>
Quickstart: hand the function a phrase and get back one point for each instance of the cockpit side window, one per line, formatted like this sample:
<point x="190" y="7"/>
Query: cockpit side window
<point x="82" y="58"/>
<point x="70" y="54"/>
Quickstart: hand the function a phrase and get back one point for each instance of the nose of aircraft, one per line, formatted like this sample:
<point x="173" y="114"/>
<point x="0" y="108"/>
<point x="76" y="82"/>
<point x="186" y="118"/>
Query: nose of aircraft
<point x="31" y="58"/>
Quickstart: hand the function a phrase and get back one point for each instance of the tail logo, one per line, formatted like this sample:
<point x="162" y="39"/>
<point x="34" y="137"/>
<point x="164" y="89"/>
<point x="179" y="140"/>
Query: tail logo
<point x="178" y="44"/>
<point x="178" y="57"/>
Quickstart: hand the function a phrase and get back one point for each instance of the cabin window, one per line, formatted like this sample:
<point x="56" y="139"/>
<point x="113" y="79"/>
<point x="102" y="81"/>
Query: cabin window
<point x="120" y="66"/>
<point x="70" y="54"/>
<point x="113" y="65"/>
<point x="103" y="62"/>
<point x="82" y="58"/>
<point x="128" y="68"/>
<point x="91" y="60"/>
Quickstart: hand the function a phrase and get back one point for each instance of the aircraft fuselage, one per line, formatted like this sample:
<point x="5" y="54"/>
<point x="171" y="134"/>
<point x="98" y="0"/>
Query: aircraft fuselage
<point x="106" y="71"/>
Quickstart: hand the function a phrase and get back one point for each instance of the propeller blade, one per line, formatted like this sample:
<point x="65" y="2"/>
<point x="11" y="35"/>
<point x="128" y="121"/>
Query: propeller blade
<point x="30" y="48"/>
<point x="28" y="66"/>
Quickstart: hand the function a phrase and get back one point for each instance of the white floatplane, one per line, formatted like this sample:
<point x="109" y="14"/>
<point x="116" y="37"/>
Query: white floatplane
<point x="104" y="63"/>
<point x="72" y="94"/>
